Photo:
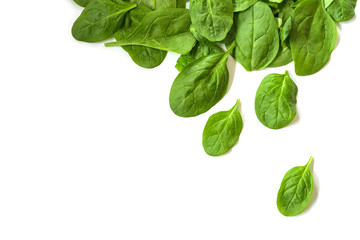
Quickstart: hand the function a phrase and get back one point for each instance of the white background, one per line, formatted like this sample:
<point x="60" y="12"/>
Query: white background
<point x="89" y="148"/>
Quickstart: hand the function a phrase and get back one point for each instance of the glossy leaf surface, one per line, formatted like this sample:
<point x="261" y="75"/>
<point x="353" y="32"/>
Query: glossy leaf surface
<point x="222" y="131"/>
<point x="295" y="190"/>
<point x="275" y="100"/>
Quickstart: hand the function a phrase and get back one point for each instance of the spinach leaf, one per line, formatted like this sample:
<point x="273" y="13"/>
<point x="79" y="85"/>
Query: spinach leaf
<point x="143" y="56"/>
<point x="222" y="131"/>
<point x="197" y="52"/>
<point x="82" y="3"/>
<point x="312" y="38"/>
<point x="181" y="3"/>
<point x="212" y="18"/>
<point x="342" y="10"/>
<point x="275" y="100"/>
<point x="200" y="85"/>
<point x="100" y="19"/>
<point x="257" y="38"/>
<point x="242" y="5"/>
<point x="165" y="29"/>
<point x="284" y="57"/>
<point x="295" y="190"/>
<point x="157" y="4"/>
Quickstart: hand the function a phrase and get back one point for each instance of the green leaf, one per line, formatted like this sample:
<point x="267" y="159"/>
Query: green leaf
<point x="342" y="10"/>
<point x="295" y="190"/>
<point x="212" y="18"/>
<point x="197" y="52"/>
<point x="157" y="4"/>
<point x="284" y="57"/>
<point x="165" y="29"/>
<point x="200" y="85"/>
<point x="100" y="20"/>
<point x="222" y="131"/>
<point x="143" y="56"/>
<point x="312" y="38"/>
<point x="275" y="100"/>
<point x="257" y="38"/>
<point x="82" y="3"/>
<point x="242" y="5"/>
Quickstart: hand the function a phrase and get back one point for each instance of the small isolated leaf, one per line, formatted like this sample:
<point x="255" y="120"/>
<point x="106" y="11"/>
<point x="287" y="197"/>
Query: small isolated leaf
<point x="275" y="100"/>
<point x="295" y="190"/>
<point x="222" y="131"/>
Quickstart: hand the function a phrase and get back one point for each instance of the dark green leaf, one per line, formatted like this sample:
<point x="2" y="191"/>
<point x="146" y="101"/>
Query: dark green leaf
<point x="257" y="38"/>
<point x="165" y="29"/>
<point x="222" y="131"/>
<point x="100" y="19"/>
<point x="284" y="57"/>
<point x="212" y="18"/>
<point x="275" y="100"/>
<point x="295" y="190"/>
<point x="200" y="85"/>
<point x="342" y="10"/>
<point x="313" y="37"/>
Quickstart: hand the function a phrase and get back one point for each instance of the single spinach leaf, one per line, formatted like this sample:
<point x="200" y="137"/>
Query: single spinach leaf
<point x="157" y="4"/>
<point x="342" y="10"/>
<point x="212" y="18"/>
<point x="312" y="38"/>
<point x="82" y="3"/>
<point x="100" y="19"/>
<point x="222" y="131"/>
<point x="242" y="5"/>
<point x="295" y="190"/>
<point x="200" y="85"/>
<point x="275" y="100"/>
<point x="197" y="52"/>
<point x="165" y="29"/>
<point x="143" y="56"/>
<point x="257" y="38"/>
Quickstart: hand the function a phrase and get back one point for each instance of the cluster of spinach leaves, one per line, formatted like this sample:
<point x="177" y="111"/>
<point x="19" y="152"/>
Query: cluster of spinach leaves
<point x="256" y="33"/>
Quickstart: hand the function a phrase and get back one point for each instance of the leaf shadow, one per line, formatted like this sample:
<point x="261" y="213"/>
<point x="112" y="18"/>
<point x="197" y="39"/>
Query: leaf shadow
<point x="231" y="65"/>
<point x="316" y="189"/>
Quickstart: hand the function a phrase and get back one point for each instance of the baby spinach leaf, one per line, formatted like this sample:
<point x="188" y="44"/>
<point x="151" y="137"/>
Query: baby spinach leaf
<point x="165" y="29"/>
<point x="82" y="3"/>
<point x="312" y="38"/>
<point x="342" y="10"/>
<point x="257" y="38"/>
<point x="212" y="18"/>
<point x="222" y="131"/>
<point x="157" y="4"/>
<point x="295" y="190"/>
<point x="275" y="100"/>
<point x="197" y="52"/>
<point x="100" y="19"/>
<point x="200" y="85"/>
<point x="242" y="5"/>
<point x="143" y="56"/>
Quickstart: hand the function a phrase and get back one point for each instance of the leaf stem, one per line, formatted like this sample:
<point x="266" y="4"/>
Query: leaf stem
<point x="308" y="163"/>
